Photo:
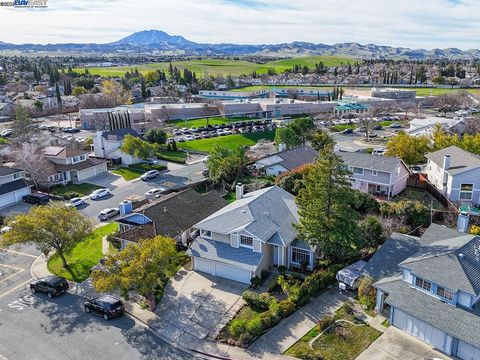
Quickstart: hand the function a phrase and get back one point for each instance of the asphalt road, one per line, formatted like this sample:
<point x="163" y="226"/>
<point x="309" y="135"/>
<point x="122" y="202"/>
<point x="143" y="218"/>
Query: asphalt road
<point x="35" y="327"/>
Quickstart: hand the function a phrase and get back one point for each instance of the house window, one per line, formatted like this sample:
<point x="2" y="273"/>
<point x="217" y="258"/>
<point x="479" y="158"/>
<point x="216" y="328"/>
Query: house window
<point x="374" y="172"/>
<point x="424" y="284"/>
<point x="246" y="241"/>
<point x="445" y="293"/>
<point x="17" y="176"/>
<point x="206" y="233"/>
<point x="466" y="191"/>
<point x="358" y="171"/>
<point x="75" y="159"/>
<point x="300" y="256"/>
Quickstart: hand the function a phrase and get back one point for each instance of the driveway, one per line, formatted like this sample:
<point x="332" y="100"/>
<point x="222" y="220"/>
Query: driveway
<point x="198" y="305"/>
<point x="395" y="344"/>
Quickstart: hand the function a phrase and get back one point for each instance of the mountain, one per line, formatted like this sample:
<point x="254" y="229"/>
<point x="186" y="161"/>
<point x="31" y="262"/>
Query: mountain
<point x="160" y="43"/>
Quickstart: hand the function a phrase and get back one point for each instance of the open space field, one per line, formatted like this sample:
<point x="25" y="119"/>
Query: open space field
<point x="230" y="141"/>
<point x="205" y="122"/>
<point x="221" y="67"/>
<point x="83" y="256"/>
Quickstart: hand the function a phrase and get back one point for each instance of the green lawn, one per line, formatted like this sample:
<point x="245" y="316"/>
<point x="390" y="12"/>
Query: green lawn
<point x="205" y="122"/>
<point x="221" y="67"/>
<point x="229" y="141"/>
<point x="83" y="189"/>
<point x="270" y="87"/>
<point x="128" y="173"/>
<point x="83" y="256"/>
<point x="174" y="156"/>
<point x="342" y="342"/>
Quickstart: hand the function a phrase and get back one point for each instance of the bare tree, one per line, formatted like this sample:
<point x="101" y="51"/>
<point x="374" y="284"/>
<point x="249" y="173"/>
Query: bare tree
<point x="29" y="157"/>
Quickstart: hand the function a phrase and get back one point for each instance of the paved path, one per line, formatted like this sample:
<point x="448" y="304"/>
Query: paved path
<point x="291" y="329"/>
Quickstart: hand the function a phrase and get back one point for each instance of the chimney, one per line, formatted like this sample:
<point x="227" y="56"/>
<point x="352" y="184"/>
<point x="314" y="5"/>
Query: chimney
<point x="282" y="147"/>
<point x="446" y="162"/>
<point x="239" y="191"/>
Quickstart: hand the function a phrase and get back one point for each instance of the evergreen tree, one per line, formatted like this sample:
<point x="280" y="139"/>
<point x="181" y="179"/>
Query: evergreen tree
<point x="144" y="88"/>
<point x="59" y="96"/>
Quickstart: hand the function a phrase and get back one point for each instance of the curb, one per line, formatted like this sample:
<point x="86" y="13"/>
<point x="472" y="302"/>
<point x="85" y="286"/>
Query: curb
<point x="32" y="271"/>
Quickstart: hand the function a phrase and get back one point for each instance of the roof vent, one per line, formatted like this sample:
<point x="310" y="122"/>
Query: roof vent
<point x="461" y="255"/>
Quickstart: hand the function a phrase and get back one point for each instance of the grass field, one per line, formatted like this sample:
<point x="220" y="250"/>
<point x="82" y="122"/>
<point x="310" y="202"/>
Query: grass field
<point x="83" y="256"/>
<point x="230" y="141"/>
<point x="128" y="173"/>
<point x="222" y="67"/>
<point x="205" y="122"/>
<point x="81" y="190"/>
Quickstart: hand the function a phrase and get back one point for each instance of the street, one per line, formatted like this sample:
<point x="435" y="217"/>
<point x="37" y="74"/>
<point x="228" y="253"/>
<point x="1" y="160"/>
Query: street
<point x="36" y="327"/>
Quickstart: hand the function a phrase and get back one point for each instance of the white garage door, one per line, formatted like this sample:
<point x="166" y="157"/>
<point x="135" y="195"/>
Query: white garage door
<point x="204" y="265"/>
<point x="22" y="192"/>
<point x="467" y="352"/>
<point x="419" y="329"/>
<point x="232" y="273"/>
<point x="7" y="199"/>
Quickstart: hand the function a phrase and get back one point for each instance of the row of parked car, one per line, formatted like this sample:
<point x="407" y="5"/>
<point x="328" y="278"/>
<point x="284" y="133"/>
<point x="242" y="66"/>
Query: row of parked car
<point x="105" y="306"/>
<point x="54" y="129"/>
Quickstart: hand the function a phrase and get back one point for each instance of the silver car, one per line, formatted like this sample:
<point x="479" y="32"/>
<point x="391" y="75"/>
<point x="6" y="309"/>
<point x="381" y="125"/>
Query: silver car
<point x="107" y="214"/>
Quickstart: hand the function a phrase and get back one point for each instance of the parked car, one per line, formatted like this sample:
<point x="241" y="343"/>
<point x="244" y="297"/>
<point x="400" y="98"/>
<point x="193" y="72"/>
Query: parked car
<point x="371" y="135"/>
<point x="377" y="127"/>
<point x="152" y="161"/>
<point x="97" y="194"/>
<point x="361" y="129"/>
<point x="347" y="131"/>
<point x="75" y="202"/>
<point x="109" y="213"/>
<point x="36" y="199"/>
<point x="395" y="126"/>
<point x="156" y="191"/>
<point x="5" y="229"/>
<point x="6" y="133"/>
<point x="51" y="285"/>
<point x="106" y="306"/>
<point x="197" y="136"/>
<point x="379" y="152"/>
<point x="151" y="174"/>
<point x="189" y="137"/>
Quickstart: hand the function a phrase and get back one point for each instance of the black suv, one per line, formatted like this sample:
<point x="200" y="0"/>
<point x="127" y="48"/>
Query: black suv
<point x="105" y="306"/>
<point x="52" y="285"/>
<point x="36" y="199"/>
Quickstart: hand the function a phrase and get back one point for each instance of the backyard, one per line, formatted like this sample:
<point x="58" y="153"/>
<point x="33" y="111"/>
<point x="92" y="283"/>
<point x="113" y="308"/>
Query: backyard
<point x="229" y="141"/>
<point x="340" y="341"/>
<point x="74" y="190"/>
<point x="420" y="195"/>
<point x="83" y="256"/>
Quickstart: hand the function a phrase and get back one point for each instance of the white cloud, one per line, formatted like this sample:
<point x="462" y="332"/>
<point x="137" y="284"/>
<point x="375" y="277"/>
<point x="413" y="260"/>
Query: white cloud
<point x="411" y="23"/>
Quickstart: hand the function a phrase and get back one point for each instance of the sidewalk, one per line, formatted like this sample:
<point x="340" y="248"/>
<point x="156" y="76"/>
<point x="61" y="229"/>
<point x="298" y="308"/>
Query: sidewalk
<point x="293" y="328"/>
<point x="193" y="345"/>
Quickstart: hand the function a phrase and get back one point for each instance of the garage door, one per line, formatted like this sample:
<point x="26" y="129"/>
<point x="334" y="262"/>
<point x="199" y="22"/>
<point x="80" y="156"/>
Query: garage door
<point x="7" y="199"/>
<point x="419" y="329"/>
<point x="467" y="352"/>
<point x="22" y="192"/>
<point x="232" y="273"/>
<point x="204" y="265"/>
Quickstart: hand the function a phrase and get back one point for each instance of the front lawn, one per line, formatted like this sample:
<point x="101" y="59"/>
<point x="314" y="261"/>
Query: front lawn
<point x="229" y="141"/>
<point x="128" y="173"/>
<point x="83" y="256"/>
<point x="342" y="341"/>
<point x="173" y="156"/>
<point x="74" y="190"/>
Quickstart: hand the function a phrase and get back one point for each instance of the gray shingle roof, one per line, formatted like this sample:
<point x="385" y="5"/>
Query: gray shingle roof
<point x="460" y="160"/>
<point x="302" y="245"/>
<point x="458" y="322"/>
<point x="5" y="170"/>
<point x="296" y="157"/>
<point x="367" y="161"/>
<point x="435" y="233"/>
<point x="262" y="213"/>
<point x="216" y="250"/>
<point x="119" y="134"/>
<point x="13" y="186"/>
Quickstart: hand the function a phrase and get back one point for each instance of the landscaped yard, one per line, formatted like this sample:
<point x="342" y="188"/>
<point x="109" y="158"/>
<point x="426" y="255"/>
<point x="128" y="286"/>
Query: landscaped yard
<point x="74" y="190"/>
<point x="135" y="170"/>
<point x="174" y="156"/>
<point x="205" y="122"/>
<point x="229" y="141"/>
<point x="420" y="195"/>
<point x="342" y="341"/>
<point x="83" y="256"/>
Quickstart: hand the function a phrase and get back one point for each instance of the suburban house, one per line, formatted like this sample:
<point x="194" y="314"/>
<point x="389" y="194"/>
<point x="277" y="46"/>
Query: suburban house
<point x="107" y="144"/>
<point x="252" y="234"/>
<point x="13" y="186"/>
<point x="433" y="292"/>
<point x="286" y="160"/>
<point x="426" y="126"/>
<point x="455" y="173"/>
<point x="173" y="215"/>
<point x="66" y="164"/>
<point x="376" y="175"/>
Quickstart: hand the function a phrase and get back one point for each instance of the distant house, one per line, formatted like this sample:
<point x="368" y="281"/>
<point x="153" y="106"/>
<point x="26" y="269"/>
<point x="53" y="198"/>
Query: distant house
<point x="426" y="126"/>
<point x="286" y="160"/>
<point x="107" y="144"/>
<point x="429" y="287"/>
<point x="173" y="216"/>
<point x="6" y="110"/>
<point x="456" y="173"/>
<point x="376" y="175"/>
<point x="254" y="233"/>
<point x="13" y="186"/>
<point x="68" y="164"/>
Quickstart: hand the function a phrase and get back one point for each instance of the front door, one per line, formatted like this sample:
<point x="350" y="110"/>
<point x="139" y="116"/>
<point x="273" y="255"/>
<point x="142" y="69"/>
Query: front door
<point x="275" y="255"/>
<point x="74" y="175"/>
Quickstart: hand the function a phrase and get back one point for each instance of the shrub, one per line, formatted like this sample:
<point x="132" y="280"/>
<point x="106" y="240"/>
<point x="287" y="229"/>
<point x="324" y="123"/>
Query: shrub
<point x="285" y="308"/>
<point x="264" y="274"/>
<point x="282" y="269"/>
<point x="255" y="282"/>
<point x="475" y="230"/>
<point x="325" y="322"/>
<point x="413" y="213"/>
<point x="261" y="301"/>
<point x="372" y="231"/>
<point x="365" y="203"/>
<point x="367" y="293"/>
<point x="238" y="327"/>
<point x="255" y="326"/>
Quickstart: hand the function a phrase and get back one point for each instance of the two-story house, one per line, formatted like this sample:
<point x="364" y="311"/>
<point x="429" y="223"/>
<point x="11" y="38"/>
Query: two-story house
<point x="13" y="186"/>
<point x="435" y="294"/>
<point x="173" y="215"/>
<point x="286" y="160"/>
<point x="252" y="234"/>
<point x="71" y="165"/>
<point x="107" y="145"/>
<point x="455" y="173"/>
<point x="376" y="175"/>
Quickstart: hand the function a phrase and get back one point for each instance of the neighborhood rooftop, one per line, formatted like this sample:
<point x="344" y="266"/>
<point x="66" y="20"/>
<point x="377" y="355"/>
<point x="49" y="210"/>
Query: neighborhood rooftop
<point x="460" y="160"/>
<point x="372" y="162"/>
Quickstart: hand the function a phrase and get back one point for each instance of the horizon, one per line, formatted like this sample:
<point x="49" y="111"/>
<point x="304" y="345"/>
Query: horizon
<point x="446" y="23"/>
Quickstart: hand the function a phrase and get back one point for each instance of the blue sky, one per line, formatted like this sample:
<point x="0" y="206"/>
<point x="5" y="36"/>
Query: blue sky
<point x="410" y="23"/>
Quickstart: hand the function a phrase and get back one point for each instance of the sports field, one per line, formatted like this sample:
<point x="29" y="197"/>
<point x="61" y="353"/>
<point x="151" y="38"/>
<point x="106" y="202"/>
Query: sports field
<point x="222" y="67"/>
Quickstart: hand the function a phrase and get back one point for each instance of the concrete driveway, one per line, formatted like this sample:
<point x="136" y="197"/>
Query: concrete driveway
<point x="395" y="344"/>
<point x="198" y="305"/>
